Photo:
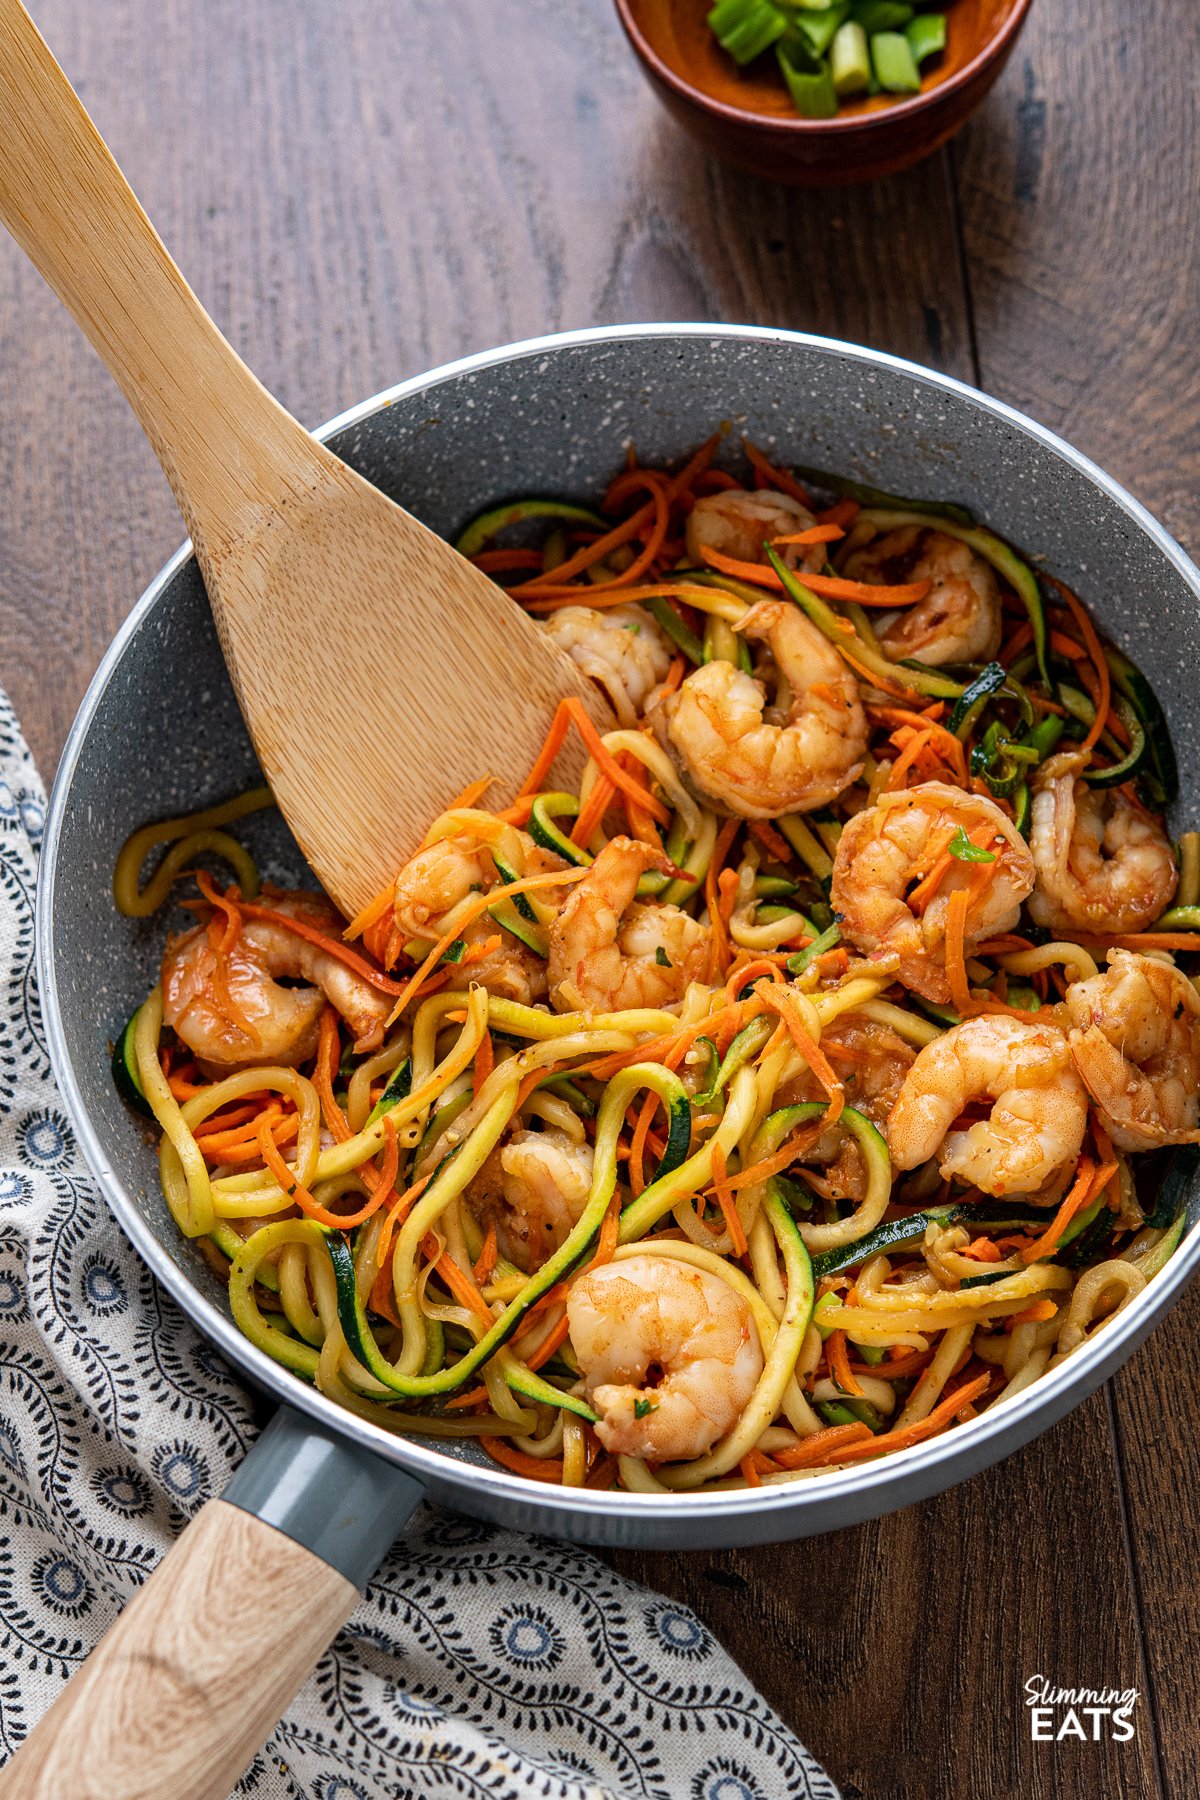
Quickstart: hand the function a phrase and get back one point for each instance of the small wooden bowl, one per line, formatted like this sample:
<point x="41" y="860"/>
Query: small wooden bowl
<point x="747" y="118"/>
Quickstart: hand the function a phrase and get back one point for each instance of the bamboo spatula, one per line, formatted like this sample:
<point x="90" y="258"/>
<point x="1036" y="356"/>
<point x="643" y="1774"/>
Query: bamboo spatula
<point x="371" y="661"/>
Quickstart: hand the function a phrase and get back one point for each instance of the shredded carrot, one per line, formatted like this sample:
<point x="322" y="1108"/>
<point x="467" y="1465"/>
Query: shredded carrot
<point x="727" y="1203"/>
<point x="780" y="1000"/>
<point x="286" y="1177"/>
<point x="608" y="764"/>
<point x="553" y="1340"/>
<point x="485" y="1062"/>
<point x="842" y="512"/>
<point x="839" y="1363"/>
<point x="396" y="1215"/>
<point x="982" y="1250"/>
<point x="1089" y="1181"/>
<point x="232" y="910"/>
<point x="473" y="1397"/>
<point x="382" y="1300"/>
<point x="822" y="1446"/>
<point x="956" y="964"/>
<point x="371" y="913"/>
<point x="774" y="476"/>
<point x="496" y="562"/>
<point x="555" y="737"/>
<point x="750" y="1471"/>
<point x="631" y="527"/>
<point x="487" y="1257"/>
<point x="829" y="587"/>
<point x="772" y="841"/>
<point x="718" y="950"/>
<point x="606" y="1242"/>
<point x="816" y="534"/>
<point x="917" y="741"/>
<point x="867" y="593"/>
<point x="328" y="1050"/>
<point x="481" y="951"/>
<point x="759" y="969"/>
<point x="906" y="1435"/>
<point x="637" y="1177"/>
<point x="1035" y="1314"/>
<point x="535" y="1468"/>
<point x="332" y="946"/>
<point x="471" y="795"/>
<point x="460" y="1283"/>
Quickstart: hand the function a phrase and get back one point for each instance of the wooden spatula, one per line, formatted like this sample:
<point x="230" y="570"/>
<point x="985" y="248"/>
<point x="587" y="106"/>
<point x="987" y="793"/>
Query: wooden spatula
<point x="372" y="663"/>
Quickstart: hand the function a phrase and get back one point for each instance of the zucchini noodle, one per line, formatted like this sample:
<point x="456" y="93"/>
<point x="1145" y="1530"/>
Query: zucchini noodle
<point x="774" y="1102"/>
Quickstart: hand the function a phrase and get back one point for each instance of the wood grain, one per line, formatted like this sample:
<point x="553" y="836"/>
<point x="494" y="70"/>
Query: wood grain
<point x="359" y="197"/>
<point x="186" y="1685"/>
<point x="1103" y="276"/>
<point x="295" y="548"/>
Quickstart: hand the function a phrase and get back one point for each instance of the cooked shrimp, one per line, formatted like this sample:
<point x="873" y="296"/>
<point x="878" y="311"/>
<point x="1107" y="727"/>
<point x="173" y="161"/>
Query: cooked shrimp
<point x="621" y="648"/>
<point x="228" y="1007"/>
<point x="873" y="1063"/>
<point x="1103" y="863"/>
<point x="1135" y="1037"/>
<point x="890" y="846"/>
<point x="533" y="1189"/>
<point x="1038" y="1115"/>
<point x="451" y="870"/>
<point x="958" y="620"/>
<point x="669" y="1354"/>
<point x="436" y="879"/>
<point x="737" y="523"/>
<point x="757" y="760"/>
<point x="608" y="953"/>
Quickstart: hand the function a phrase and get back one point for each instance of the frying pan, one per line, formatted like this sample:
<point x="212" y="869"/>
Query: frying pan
<point x="159" y="733"/>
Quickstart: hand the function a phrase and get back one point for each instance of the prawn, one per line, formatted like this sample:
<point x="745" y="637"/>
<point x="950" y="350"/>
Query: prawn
<point x="890" y="846"/>
<point x="533" y="1189"/>
<point x="1038" y="1115"/>
<point x="453" y="869"/>
<point x="1103" y="863"/>
<point x="608" y="953"/>
<point x="759" y="761"/>
<point x="959" y="620"/>
<point x="872" y="1062"/>
<point x="669" y="1354"/>
<point x="737" y="522"/>
<point x="228" y="1007"/>
<point x="1135" y="1037"/>
<point x="621" y="648"/>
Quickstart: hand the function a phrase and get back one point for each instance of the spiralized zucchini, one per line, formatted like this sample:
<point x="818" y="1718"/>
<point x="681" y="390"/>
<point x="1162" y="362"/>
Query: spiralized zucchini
<point x="589" y="1141"/>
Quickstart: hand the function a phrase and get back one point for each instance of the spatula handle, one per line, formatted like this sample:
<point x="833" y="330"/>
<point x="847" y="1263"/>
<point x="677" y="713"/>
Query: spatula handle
<point x="185" y="1687"/>
<point x="216" y="431"/>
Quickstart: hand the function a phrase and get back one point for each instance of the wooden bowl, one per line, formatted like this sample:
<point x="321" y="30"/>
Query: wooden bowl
<point x="746" y="117"/>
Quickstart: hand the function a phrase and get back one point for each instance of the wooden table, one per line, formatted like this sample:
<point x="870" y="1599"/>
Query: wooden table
<point x="362" y="190"/>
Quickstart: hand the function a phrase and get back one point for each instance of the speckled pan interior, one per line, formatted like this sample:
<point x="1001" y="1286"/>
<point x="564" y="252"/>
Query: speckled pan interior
<point x="160" y="733"/>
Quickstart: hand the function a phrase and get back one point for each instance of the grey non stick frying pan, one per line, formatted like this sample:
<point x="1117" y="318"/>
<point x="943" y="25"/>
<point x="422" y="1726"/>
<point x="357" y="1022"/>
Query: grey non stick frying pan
<point x="159" y="733"/>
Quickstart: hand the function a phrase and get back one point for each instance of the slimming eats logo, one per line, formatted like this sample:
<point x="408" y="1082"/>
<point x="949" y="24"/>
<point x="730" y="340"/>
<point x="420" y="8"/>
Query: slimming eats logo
<point x="1089" y="1714"/>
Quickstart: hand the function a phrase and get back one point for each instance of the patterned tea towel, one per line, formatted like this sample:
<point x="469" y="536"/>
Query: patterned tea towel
<point x="481" y="1663"/>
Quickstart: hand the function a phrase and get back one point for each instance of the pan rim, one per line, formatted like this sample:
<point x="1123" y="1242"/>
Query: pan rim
<point x="972" y="1445"/>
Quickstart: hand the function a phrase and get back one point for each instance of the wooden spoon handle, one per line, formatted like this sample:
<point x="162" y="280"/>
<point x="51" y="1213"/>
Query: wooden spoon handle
<point x="68" y="205"/>
<point x="186" y="1686"/>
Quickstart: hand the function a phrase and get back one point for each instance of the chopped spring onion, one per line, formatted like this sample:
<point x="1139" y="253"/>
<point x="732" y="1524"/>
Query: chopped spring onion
<point x="895" y="67"/>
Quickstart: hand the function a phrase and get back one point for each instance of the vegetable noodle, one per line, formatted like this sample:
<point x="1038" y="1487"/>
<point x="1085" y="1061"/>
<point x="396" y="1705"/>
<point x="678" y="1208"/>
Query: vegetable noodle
<point x="817" y="1076"/>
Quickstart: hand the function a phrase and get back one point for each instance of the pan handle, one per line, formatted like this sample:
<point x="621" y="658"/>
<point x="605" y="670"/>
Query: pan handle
<point x="184" y="1688"/>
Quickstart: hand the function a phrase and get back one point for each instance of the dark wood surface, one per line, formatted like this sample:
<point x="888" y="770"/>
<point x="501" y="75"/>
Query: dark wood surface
<point x="360" y="191"/>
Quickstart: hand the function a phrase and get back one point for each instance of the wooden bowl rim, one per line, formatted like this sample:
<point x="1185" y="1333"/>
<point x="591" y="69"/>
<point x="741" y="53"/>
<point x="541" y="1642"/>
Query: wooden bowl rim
<point x="844" y="123"/>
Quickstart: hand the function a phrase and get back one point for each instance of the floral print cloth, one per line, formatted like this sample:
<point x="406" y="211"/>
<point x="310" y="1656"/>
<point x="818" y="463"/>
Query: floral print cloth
<point x="480" y="1663"/>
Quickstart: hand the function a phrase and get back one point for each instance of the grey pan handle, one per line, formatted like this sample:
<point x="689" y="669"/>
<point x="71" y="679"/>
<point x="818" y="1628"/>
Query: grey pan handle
<point x="185" y="1687"/>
